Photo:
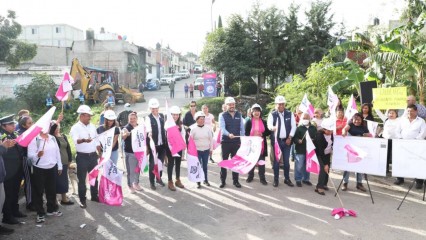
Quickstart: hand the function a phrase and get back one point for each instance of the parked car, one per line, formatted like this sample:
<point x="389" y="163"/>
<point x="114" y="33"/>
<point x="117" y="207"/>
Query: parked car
<point x="185" y="73"/>
<point x="153" y="84"/>
<point x="166" y="78"/>
<point x="198" y="81"/>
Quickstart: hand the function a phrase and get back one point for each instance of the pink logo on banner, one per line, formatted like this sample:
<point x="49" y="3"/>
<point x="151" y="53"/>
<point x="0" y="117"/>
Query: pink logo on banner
<point x="354" y="154"/>
<point x="312" y="164"/>
<point x="277" y="149"/>
<point x="175" y="140"/>
<point x="93" y="175"/>
<point x="237" y="164"/>
<point x="142" y="161"/>
<point x="110" y="193"/>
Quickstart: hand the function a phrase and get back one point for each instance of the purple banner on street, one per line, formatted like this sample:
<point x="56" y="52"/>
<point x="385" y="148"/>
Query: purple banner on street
<point x="209" y="84"/>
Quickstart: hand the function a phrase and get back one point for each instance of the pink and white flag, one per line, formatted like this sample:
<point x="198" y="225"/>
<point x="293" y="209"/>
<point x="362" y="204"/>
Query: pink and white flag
<point x="64" y="88"/>
<point x="139" y="148"/>
<point x="277" y="149"/>
<point x="157" y="163"/>
<point x="306" y="106"/>
<point x="354" y="153"/>
<point x="351" y="109"/>
<point x="106" y="140"/>
<point x="372" y="127"/>
<point x="312" y="163"/>
<point x="43" y="124"/>
<point x="110" y="191"/>
<point x="174" y="137"/>
<point x="332" y="101"/>
<point x="195" y="170"/>
<point x="217" y="138"/>
<point x="246" y="157"/>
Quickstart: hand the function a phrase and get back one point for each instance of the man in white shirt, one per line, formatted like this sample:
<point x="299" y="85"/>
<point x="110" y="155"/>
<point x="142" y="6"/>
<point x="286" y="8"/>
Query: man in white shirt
<point x="154" y="123"/>
<point x="411" y="126"/>
<point x="282" y="123"/>
<point x="85" y="136"/>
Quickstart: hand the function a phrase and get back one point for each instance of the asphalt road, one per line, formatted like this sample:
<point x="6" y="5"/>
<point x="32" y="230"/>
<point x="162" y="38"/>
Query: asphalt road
<point x="253" y="212"/>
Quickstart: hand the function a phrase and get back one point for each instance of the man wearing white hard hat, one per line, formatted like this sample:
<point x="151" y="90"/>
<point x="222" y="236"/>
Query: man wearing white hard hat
<point x="154" y="123"/>
<point x="283" y="124"/>
<point x="84" y="136"/>
<point x="232" y="126"/>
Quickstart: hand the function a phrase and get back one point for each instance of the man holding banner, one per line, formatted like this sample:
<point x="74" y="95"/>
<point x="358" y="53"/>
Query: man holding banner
<point x="84" y="135"/>
<point x="231" y="127"/>
<point x="283" y="123"/>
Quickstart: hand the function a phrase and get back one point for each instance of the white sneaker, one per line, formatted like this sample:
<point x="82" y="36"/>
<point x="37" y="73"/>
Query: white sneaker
<point x="137" y="187"/>
<point x="56" y="214"/>
<point x="132" y="190"/>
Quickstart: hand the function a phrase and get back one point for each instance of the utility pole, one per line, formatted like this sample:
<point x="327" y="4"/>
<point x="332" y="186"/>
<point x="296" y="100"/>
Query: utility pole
<point x="211" y="15"/>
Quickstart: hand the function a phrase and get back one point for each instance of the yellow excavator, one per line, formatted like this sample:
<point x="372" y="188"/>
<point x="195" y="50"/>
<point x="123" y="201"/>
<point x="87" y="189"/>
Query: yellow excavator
<point x="95" y="83"/>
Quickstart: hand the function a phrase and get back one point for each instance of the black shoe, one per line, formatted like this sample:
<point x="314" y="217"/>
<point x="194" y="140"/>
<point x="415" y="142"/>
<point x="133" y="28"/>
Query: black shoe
<point x="307" y="183"/>
<point x="326" y="188"/>
<point x="263" y="181"/>
<point x="83" y="204"/>
<point x="298" y="183"/>
<point x="222" y="185"/>
<point x="95" y="199"/>
<point x="161" y="183"/>
<point x="211" y="160"/>
<point x="249" y="179"/>
<point x="153" y="186"/>
<point x="69" y="202"/>
<point x="207" y="183"/>
<point x="275" y="184"/>
<point x="289" y="183"/>
<point x="198" y="185"/>
<point x="399" y="182"/>
<point x="11" y="221"/>
<point x="31" y="208"/>
<point x="237" y="184"/>
<point x="19" y="215"/>
<point x="5" y="231"/>
<point x="419" y="185"/>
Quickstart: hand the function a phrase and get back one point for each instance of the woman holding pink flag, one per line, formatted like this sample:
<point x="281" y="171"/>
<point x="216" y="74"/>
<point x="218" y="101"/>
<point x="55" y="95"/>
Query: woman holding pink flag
<point x="355" y="128"/>
<point x="203" y="138"/>
<point x="175" y="159"/>
<point x="256" y="126"/>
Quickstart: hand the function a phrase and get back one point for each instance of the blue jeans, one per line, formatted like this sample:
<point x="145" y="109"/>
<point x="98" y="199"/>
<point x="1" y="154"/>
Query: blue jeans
<point x="203" y="157"/>
<point x="114" y="156"/>
<point x="300" y="173"/>
<point x="346" y="177"/>
<point x="285" y="149"/>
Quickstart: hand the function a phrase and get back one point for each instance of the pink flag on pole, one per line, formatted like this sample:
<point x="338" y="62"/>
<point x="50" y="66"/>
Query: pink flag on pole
<point x="43" y="124"/>
<point x="312" y="163"/>
<point x="139" y="147"/>
<point x="351" y="109"/>
<point x="195" y="170"/>
<point x="64" y="88"/>
<point x="277" y="149"/>
<point x="174" y="137"/>
<point x="110" y="191"/>
<point x="216" y="143"/>
<point x="156" y="170"/>
<point x="246" y="157"/>
<point x="332" y="101"/>
<point x="306" y="106"/>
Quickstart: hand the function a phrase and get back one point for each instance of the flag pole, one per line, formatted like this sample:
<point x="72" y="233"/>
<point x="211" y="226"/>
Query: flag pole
<point x="62" y="110"/>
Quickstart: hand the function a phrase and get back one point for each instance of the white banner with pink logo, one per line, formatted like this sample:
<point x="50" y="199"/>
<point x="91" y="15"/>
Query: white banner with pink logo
<point x="110" y="191"/>
<point x="246" y="157"/>
<point x="360" y="154"/>
<point x="306" y="106"/>
<point x="312" y="164"/>
<point x="139" y="148"/>
<point x="195" y="170"/>
<point x="106" y="140"/>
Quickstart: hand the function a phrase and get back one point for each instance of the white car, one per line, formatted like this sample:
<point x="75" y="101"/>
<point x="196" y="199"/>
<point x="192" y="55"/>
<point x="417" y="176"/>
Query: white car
<point x="166" y="78"/>
<point x="185" y="73"/>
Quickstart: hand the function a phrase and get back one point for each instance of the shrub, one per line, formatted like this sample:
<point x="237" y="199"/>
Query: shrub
<point x="214" y="104"/>
<point x="34" y="94"/>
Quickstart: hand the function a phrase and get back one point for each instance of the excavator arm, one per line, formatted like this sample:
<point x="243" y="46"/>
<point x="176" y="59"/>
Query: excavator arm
<point x="85" y="77"/>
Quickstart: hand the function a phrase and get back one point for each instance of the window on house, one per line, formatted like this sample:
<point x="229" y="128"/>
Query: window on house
<point x="58" y="30"/>
<point x="150" y="69"/>
<point x="149" y="54"/>
<point x="34" y="30"/>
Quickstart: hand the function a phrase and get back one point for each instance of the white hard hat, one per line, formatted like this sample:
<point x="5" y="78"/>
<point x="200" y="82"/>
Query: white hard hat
<point x="110" y="115"/>
<point x="280" y="99"/>
<point x="127" y="105"/>
<point x="84" y="109"/>
<point x="256" y="106"/>
<point x="153" y="103"/>
<point x="175" y="110"/>
<point x="199" y="114"/>
<point x="229" y="100"/>
<point x="328" y="124"/>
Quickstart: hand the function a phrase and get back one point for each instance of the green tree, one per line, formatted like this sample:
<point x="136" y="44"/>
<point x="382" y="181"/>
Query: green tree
<point x="13" y="51"/>
<point x="293" y="41"/>
<point x="34" y="94"/>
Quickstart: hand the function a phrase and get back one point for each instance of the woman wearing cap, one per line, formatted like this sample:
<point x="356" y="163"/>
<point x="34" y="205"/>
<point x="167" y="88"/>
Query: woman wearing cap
<point x="43" y="151"/>
<point x="203" y="138"/>
<point x="62" y="183"/>
<point x="355" y="128"/>
<point x="256" y="126"/>
<point x="110" y="122"/>
<point x="175" y="159"/>
<point x="107" y="107"/>
<point x="323" y="148"/>
<point x="131" y="160"/>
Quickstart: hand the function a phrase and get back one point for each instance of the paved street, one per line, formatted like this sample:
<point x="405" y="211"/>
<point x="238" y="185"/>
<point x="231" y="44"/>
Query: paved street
<point x="253" y="212"/>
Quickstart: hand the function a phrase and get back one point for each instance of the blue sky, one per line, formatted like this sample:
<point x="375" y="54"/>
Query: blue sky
<point x="181" y="24"/>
